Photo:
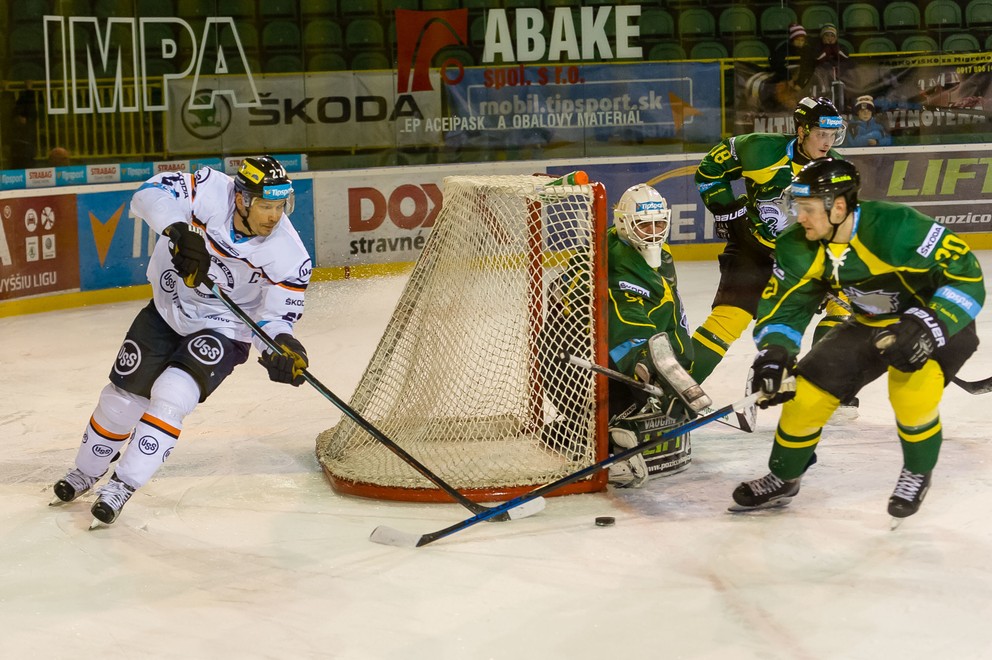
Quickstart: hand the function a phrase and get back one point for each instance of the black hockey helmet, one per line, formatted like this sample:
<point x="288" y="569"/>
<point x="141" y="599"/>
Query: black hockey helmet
<point x="828" y="178"/>
<point x="820" y="112"/>
<point x="264" y="177"/>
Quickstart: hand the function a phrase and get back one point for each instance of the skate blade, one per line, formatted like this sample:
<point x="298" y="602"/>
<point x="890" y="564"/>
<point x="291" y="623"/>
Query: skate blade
<point x="95" y="524"/>
<point x="772" y="504"/>
<point x="894" y="523"/>
<point x="747" y="419"/>
<point x="58" y="502"/>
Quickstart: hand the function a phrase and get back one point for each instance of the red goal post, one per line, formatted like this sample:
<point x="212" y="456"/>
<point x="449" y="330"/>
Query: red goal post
<point x="463" y="377"/>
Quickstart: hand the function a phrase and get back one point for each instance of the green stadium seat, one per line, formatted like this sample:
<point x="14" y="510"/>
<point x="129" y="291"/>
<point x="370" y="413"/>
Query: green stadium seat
<point x="327" y="62"/>
<point x="280" y="36"/>
<point x="860" y="17"/>
<point x="29" y="10"/>
<point x="978" y="14"/>
<point x="942" y="14"/>
<point x="816" y="16"/>
<point x="322" y="34"/>
<point x="961" y="42"/>
<point x="244" y="9"/>
<point x="363" y="34"/>
<point x="319" y="8"/>
<point x="185" y="9"/>
<point x="656" y="24"/>
<point x="247" y="34"/>
<point x="775" y="20"/>
<point x="696" y="23"/>
<point x="901" y="16"/>
<point x="26" y="70"/>
<point x="360" y="8"/>
<point x="751" y="48"/>
<point x="389" y="6"/>
<point x="283" y="64"/>
<point x="371" y="59"/>
<point x="877" y="44"/>
<point x="919" y="43"/>
<point x="270" y="9"/>
<point x="667" y="51"/>
<point x="154" y="8"/>
<point x="738" y="21"/>
<point x="708" y="50"/>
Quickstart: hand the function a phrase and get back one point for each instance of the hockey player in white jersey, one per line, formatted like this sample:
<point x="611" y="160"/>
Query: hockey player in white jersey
<point x="237" y="234"/>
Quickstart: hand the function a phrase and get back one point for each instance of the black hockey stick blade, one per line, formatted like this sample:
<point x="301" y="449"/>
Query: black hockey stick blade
<point x="378" y="435"/>
<point x="983" y="386"/>
<point x="389" y="536"/>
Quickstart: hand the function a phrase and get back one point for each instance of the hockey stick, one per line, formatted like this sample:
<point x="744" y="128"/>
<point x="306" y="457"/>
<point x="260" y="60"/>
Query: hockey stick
<point x="983" y="386"/>
<point x="565" y="356"/>
<point x="474" y="507"/>
<point x="389" y="536"/>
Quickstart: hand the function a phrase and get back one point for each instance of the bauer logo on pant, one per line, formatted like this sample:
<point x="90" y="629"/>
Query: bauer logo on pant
<point x="128" y="358"/>
<point x="206" y="349"/>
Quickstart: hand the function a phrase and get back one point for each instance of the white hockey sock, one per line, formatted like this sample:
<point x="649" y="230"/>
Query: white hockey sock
<point x="152" y="444"/>
<point x="174" y="395"/>
<point x="109" y="428"/>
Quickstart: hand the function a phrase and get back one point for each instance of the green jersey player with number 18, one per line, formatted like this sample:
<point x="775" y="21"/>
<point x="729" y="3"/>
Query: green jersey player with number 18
<point x="750" y="223"/>
<point x="915" y="288"/>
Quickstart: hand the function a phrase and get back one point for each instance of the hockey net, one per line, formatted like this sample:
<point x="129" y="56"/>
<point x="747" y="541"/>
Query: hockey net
<point x="464" y="377"/>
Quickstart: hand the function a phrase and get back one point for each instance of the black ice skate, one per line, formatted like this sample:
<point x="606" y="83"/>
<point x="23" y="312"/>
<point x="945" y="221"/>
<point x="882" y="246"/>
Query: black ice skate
<point x="765" y="493"/>
<point x="909" y="493"/>
<point x="110" y="500"/>
<point x="73" y="485"/>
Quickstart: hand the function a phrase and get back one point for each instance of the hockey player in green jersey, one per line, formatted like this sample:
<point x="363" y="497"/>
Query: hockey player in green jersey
<point x="643" y="302"/>
<point x="915" y="288"/>
<point x="750" y="223"/>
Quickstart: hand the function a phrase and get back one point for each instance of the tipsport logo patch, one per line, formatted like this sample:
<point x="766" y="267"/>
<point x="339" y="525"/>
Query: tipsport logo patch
<point x="128" y="358"/>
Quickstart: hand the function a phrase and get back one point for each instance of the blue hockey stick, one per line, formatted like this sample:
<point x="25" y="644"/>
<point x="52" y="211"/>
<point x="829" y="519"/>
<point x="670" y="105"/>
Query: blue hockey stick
<point x="389" y="536"/>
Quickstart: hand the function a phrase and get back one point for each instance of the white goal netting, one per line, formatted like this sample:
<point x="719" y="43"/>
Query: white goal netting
<point x="464" y="377"/>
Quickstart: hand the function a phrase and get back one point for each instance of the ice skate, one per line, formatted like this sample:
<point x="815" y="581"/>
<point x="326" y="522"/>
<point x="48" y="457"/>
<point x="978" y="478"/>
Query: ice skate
<point x="908" y="495"/>
<point x="110" y="500"/>
<point x="765" y="493"/>
<point x="72" y="486"/>
<point x="847" y="411"/>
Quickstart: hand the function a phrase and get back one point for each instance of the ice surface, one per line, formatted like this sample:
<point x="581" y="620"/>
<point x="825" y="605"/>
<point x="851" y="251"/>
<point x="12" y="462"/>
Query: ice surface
<point x="238" y="548"/>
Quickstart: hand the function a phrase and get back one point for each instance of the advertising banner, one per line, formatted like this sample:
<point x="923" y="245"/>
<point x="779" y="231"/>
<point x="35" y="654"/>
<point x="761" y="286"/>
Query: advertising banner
<point x="555" y="104"/>
<point x="914" y="96"/>
<point x="332" y="110"/>
<point x="38" y="251"/>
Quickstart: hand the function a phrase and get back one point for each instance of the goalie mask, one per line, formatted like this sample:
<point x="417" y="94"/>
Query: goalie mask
<point x="643" y="219"/>
<point x="264" y="177"/>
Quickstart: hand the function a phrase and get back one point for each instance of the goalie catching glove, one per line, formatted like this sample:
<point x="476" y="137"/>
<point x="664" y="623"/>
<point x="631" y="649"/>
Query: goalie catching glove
<point x="909" y="343"/>
<point x="773" y="368"/>
<point x="287" y="366"/>
<point x="189" y="254"/>
<point x="725" y="214"/>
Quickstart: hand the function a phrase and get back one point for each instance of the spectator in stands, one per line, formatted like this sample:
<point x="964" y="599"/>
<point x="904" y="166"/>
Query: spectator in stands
<point x="24" y="134"/>
<point x="864" y="130"/>
<point x="59" y="157"/>
<point x="831" y="56"/>
<point x="788" y="78"/>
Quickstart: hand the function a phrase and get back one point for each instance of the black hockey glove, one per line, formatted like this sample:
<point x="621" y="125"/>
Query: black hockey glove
<point x="189" y="254"/>
<point x="726" y="214"/>
<point x="772" y="366"/>
<point x="909" y="343"/>
<point x="288" y="366"/>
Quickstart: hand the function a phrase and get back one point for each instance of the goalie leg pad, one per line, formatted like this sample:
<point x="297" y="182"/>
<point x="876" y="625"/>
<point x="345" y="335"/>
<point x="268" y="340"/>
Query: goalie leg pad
<point x="633" y="472"/>
<point x="674" y="376"/>
<point x="669" y="457"/>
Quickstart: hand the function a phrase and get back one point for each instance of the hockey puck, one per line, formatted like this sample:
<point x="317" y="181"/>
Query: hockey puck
<point x="605" y="521"/>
